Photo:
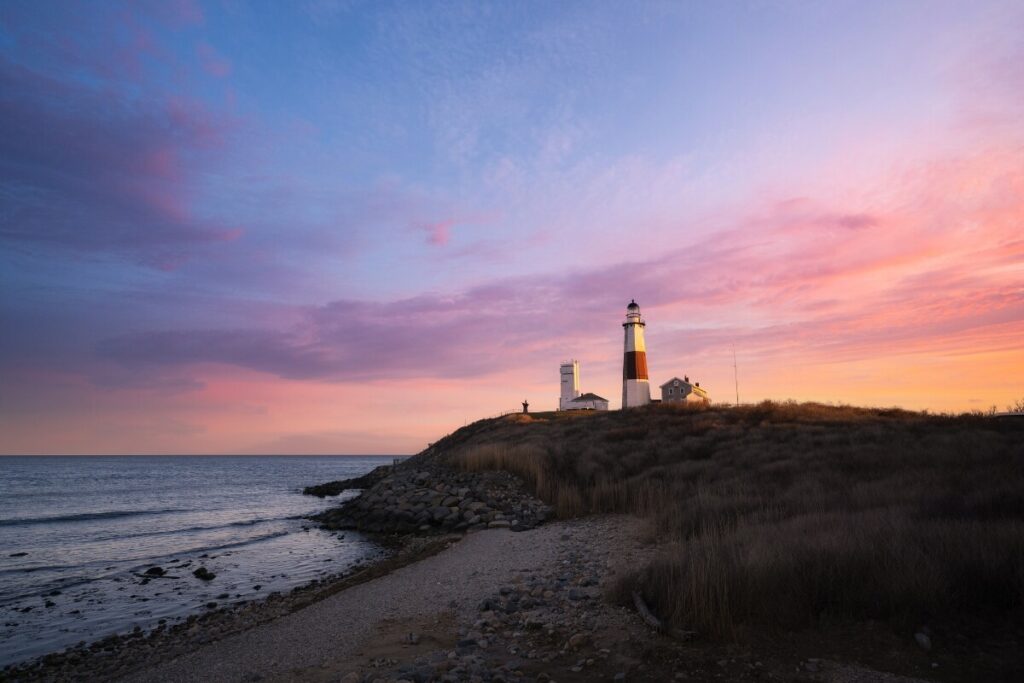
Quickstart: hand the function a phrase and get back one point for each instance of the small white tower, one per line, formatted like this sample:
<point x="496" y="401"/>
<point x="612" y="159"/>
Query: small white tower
<point x="636" y="390"/>
<point x="570" y="375"/>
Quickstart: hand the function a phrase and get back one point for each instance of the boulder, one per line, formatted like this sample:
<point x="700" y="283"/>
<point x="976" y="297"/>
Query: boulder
<point x="204" y="574"/>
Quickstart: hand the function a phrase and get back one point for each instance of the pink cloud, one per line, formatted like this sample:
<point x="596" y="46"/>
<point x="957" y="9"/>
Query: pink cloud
<point x="438" y="234"/>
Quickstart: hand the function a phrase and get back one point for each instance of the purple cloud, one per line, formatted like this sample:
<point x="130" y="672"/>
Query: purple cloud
<point x="426" y="336"/>
<point x="266" y="350"/>
<point x="93" y="170"/>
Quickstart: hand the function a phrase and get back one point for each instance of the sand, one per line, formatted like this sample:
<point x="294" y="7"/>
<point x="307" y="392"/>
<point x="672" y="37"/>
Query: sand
<point x="350" y="629"/>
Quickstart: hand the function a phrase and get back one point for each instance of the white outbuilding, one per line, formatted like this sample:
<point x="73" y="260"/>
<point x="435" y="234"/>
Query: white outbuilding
<point x="570" y="398"/>
<point x="588" y="401"/>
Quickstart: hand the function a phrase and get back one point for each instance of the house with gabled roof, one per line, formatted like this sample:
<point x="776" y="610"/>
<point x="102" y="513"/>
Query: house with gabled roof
<point x="683" y="391"/>
<point x="588" y="401"/>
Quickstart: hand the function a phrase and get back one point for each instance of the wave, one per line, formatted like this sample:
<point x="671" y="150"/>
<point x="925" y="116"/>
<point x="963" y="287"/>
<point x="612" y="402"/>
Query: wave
<point x="193" y="529"/>
<point x="220" y="546"/>
<point x="85" y="516"/>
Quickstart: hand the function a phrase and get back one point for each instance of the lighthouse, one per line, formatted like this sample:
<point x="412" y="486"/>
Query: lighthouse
<point x="636" y="391"/>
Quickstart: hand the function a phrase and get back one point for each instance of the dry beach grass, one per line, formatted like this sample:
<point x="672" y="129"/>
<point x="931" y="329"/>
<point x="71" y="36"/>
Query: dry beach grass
<point x="785" y="515"/>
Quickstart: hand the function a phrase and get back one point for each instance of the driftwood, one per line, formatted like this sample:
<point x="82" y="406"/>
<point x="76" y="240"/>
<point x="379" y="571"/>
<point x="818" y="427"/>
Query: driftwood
<point x="656" y="623"/>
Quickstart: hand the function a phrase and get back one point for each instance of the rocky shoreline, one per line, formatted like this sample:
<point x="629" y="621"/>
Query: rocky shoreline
<point x="429" y="498"/>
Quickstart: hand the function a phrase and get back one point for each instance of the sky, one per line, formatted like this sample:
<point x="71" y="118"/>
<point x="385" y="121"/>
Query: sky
<point x="353" y="227"/>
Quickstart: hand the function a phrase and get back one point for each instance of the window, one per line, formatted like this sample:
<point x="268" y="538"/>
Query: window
<point x="670" y="391"/>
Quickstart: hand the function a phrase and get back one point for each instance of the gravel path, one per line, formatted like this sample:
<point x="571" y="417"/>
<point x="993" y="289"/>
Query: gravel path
<point x="330" y="635"/>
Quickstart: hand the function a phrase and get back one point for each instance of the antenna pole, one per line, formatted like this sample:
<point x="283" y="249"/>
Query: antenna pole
<point x="736" y="375"/>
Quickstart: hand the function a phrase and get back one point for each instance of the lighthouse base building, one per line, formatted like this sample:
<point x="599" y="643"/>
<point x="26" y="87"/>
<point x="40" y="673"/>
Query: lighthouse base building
<point x="570" y="398"/>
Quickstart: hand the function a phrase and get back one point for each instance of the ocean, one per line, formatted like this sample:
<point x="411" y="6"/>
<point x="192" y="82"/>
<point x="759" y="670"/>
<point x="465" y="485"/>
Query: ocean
<point x="78" y="533"/>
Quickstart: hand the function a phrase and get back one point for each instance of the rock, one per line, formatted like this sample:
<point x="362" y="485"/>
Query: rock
<point x="412" y="639"/>
<point x="578" y="640"/>
<point x="351" y="677"/>
<point x="576" y="594"/>
<point x="435" y="499"/>
<point x="333" y="488"/>
<point x="621" y="676"/>
<point x="155" y="571"/>
<point x="923" y="641"/>
<point x="204" y="574"/>
<point x="17" y="555"/>
<point x="499" y="524"/>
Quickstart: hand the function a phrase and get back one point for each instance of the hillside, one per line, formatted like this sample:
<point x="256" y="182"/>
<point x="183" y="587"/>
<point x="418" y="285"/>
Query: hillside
<point x="789" y="516"/>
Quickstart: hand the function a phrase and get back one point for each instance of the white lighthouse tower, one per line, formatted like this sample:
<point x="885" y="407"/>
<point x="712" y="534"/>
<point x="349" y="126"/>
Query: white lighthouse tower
<point x="570" y="376"/>
<point x="636" y="390"/>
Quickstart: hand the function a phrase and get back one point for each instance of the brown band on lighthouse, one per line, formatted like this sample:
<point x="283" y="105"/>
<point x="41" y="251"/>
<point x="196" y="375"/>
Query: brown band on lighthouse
<point x="634" y="365"/>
